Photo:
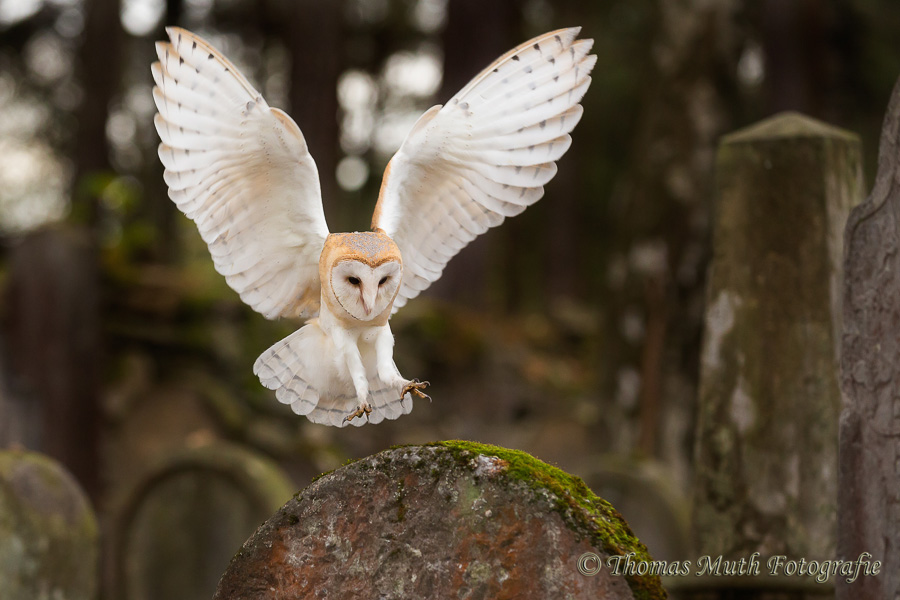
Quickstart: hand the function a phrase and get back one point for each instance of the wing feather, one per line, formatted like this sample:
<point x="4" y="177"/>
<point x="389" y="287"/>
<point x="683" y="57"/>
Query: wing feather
<point x="484" y="156"/>
<point x="242" y="172"/>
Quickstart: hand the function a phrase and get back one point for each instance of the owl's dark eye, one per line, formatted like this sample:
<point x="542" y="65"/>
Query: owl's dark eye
<point x="383" y="280"/>
<point x="353" y="280"/>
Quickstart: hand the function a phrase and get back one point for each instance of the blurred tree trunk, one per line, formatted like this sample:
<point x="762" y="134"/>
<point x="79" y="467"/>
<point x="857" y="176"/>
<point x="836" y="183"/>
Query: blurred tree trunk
<point x="558" y="220"/>
<point x="54" y="335"/>
<point x="54" y="344"/>
<point x="174" y="8"/>
<point x="100" y="63"/>
<point x="563" y="261"/>
<point x="795" y="46"/>
<point x="157" y="207"/>
<point x="476" y="33"/>
<point x="311" y="30"/>
<point x="664" y="239"/>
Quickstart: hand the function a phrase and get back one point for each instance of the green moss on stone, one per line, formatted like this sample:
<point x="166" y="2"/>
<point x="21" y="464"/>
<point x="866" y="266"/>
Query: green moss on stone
<point x="583" y="511"/>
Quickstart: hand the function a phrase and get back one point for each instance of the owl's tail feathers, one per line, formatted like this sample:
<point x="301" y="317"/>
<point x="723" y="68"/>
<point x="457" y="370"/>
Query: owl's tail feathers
<point x="385" y="402"/>
<point x="300" y="371"/>
<point x="295" y="368"/>
<point x="284" y="368"/>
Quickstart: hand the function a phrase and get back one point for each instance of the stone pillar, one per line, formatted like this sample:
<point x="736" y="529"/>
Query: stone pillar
<point x="446" y="520"/>
<point x="766" y="453"/>
<point x="869" y="469"/>
<point x="48" y="531"/>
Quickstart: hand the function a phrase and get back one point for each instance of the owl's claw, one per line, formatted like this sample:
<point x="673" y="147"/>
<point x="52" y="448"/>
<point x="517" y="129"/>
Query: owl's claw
<point x="362" y="409"/>
<point x="415" y="386"/>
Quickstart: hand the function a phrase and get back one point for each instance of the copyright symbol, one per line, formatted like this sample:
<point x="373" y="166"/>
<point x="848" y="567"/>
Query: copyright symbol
<point x="589" y="564"/>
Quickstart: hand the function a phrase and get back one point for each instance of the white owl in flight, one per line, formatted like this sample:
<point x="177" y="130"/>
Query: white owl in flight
<point x="242" y="172"/>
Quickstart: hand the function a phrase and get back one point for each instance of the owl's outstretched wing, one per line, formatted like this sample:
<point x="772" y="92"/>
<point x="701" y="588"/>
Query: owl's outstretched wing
<point x="242" y="172"/>
<point x="484" y="156"/>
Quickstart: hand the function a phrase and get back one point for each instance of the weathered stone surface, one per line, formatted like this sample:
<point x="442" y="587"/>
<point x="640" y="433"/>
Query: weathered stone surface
<point x="869" y="469"/>
<point x="48" y="532"/>
<point x="187" y="518"/>
<point x="447" y="520"/>
<point x="769" y="398"/>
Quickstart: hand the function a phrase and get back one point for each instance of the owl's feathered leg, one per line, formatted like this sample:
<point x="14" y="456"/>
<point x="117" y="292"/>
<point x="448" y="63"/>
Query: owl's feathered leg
<point x="360" y="382"/>
<point x="387" y="370"/>
<point x="346" y="345"/>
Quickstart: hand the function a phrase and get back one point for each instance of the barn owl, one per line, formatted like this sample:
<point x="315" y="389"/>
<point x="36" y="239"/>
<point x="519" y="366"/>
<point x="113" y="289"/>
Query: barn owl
<point x="242" y="172"/>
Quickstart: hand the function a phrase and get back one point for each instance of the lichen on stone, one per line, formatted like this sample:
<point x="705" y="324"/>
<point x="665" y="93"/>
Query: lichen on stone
<point x="583" y="511"/>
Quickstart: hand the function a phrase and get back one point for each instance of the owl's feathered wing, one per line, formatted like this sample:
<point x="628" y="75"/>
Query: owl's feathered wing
<point x="242" y="172"/>
<point x="484" y="156"/>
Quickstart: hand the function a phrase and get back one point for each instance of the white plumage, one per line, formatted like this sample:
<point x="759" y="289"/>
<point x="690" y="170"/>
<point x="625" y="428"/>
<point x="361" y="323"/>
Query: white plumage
<point x="242" y="172"/>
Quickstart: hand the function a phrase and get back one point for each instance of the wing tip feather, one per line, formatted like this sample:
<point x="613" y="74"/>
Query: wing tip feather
<point x="537" y="175"/>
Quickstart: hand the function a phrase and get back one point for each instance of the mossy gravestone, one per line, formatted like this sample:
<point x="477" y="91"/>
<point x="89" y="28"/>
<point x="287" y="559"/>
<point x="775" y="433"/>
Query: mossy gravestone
<point x="188" y="516"/>
<point x="766" y="461"/>
<point x="447" y="520"/>
<point x="48" y="532"/>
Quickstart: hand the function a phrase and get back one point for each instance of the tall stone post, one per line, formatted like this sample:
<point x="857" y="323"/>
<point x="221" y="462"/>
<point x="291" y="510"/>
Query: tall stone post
<point x="766" y="453"/>
<point x="869" y="472"/>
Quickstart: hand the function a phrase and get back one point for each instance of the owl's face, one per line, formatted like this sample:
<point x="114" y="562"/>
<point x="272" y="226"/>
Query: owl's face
<point x="365" y="292"/>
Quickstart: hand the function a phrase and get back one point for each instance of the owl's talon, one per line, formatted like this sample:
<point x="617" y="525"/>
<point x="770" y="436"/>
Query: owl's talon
<point x="415" y="386"/>
<point x="362" y="409"/>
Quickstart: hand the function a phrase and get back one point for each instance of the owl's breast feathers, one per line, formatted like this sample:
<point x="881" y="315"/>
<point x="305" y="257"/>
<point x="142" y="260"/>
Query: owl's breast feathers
<point x="371" y="248"/>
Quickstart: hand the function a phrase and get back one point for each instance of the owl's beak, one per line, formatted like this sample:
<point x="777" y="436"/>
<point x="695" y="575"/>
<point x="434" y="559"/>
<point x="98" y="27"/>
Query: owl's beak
<point x="368" y="299"/>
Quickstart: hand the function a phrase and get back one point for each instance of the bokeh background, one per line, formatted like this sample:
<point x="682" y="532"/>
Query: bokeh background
<point x="571" y="332"/>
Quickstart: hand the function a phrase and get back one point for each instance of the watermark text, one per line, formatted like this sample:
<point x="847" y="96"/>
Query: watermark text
<point x="821" y="571"/>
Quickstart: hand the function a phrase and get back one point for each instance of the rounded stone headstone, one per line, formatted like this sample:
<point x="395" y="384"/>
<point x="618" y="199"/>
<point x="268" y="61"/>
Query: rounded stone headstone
<point x="187" y="518"/>
<point x="446" y="520"/>
<point x="48" y="532"/>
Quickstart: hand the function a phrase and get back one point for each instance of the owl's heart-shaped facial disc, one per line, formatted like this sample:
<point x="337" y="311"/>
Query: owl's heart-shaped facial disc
<point x="363" y="291"/>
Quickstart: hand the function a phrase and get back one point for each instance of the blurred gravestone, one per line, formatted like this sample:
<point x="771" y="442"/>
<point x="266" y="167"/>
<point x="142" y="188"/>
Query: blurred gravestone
<point x="188" y="517"/>
<point x="447" y="520"/>
<point x="48" y="532"/>
<point x="767" y="428"/>
<point x="869" y="470"/>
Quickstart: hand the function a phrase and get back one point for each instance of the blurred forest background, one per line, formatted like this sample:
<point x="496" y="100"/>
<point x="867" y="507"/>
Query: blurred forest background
<point x="571" y="332"/>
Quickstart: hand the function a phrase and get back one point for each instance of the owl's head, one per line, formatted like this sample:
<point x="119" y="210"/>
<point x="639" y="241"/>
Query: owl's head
<point x="360" y="275"/>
